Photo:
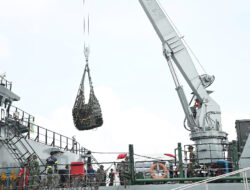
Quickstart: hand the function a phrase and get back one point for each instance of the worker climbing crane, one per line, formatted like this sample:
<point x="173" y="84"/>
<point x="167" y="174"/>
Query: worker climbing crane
<point x="203" y="114"/>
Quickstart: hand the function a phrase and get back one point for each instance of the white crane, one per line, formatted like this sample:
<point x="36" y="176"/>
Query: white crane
<point x="204" y="117"/>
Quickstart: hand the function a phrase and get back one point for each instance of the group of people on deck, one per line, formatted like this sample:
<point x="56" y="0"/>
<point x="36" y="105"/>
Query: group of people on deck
<point x="33" y="175"/>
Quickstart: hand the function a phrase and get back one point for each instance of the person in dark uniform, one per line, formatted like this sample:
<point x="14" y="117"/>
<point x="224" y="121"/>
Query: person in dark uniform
<point x="51" y="168"/>
<point x="91" y="177"/>
<point x="111" y="177"/>
<point x="101" y="176"/>
<point x="34" y="173"/>
<point x="125" y="172"/>
<point x="192" y="159"/>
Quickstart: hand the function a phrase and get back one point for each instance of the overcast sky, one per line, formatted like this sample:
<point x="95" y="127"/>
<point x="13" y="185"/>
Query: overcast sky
<point x="41" y="50"/>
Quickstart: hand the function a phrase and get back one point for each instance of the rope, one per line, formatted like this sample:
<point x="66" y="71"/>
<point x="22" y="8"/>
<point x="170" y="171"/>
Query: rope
<point x="151" y="157"/>
<point x="109" y="167"/>
<point x="87" y="70"/>
<point x="83" y="18"/>
<point x="109" y="152"/>
<point x="86" y="32"/>
<point x="86" y="49"/>
<point x="86" y="114"/>
<point x="196" y="58"/>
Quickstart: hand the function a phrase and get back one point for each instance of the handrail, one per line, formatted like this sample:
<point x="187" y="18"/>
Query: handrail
<point x="201" y="159"/>
<point x="17" y="113"/>
<point x="51" y="138"/>
<point x="243" y="171"/>
<point x="41" y="134"/>
<point x="27" y="145"/>
<point x="66" y="177"/>
<point x="5" y="83"/>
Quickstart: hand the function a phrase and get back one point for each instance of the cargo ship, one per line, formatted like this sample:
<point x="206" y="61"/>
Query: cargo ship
<point x="210" y="162"/>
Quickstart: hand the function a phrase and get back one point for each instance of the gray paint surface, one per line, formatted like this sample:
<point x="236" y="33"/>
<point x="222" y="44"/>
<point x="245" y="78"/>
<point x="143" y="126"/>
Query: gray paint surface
<point x="9" y="94"/>
<point x="42" y="150"/>
<point x="211" y="186"/>
<point x="244" y="161"/>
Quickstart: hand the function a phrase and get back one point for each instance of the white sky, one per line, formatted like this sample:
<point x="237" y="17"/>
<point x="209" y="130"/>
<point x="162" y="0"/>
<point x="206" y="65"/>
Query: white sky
<point x="41" y="49"/>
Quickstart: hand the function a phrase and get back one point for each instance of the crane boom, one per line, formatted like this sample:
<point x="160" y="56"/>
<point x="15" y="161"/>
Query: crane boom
<point x="204" y="119"/>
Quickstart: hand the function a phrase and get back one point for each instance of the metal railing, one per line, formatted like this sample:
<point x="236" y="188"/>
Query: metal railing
<point x="20" y="115"/>
<point x="189" y="170"/>
<point x="206" y="181"/>
<point x="56" y="181"/>
<point x="41" y="134"/>
<point x="210" y="150"/>
<point x="51" y="138"/>
<point x="5" y="83"/>
<point x="143" y="170"/>
<point x="68" y="177"/>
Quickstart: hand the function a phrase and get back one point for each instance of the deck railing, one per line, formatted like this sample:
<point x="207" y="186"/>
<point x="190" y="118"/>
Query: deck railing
<point x="205" y="182"/>
<point x="41" y="134"/>
<point x="5" y="83"/>
<point x="20" y="115"/>
<point x="51" y="138"/>
<point x="66" y="177"/>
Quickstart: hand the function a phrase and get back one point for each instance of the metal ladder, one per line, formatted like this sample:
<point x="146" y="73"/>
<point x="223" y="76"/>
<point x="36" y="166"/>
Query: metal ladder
<point x="19" y="147"/>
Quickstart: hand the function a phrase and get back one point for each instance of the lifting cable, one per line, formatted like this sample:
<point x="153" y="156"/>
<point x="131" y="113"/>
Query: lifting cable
<point x="185" y="43"/>
<point x="149" y="157"/>
<point x="109" y="152"/>
<point x="86" y="115"/>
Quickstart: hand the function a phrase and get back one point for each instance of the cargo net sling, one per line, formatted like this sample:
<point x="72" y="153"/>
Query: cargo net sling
<point x="87" y="115"/>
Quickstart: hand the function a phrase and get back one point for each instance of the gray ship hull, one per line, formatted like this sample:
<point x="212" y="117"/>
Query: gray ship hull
<point x="211" y="186"/>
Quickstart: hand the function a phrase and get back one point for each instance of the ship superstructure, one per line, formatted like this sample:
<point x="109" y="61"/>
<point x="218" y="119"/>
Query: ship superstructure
<point x="21" y="138"/>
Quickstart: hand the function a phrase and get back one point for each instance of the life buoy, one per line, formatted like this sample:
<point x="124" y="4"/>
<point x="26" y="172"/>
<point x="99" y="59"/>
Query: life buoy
<point x="153" y="168"/>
